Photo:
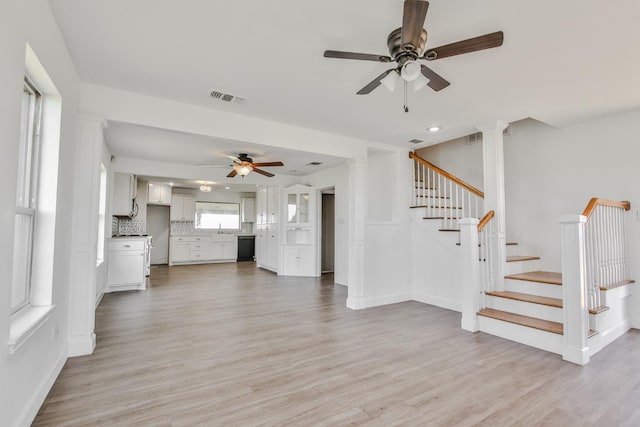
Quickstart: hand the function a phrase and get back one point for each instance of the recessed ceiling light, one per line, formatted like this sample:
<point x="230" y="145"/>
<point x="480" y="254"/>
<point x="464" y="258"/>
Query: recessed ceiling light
<point x="227" y="188"/>
<point x="171" y="184"/>
<point x="434" y="128"/>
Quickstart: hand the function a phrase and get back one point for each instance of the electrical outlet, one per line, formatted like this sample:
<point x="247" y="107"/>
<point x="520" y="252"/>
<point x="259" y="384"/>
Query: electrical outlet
<point x="55" y="332"/>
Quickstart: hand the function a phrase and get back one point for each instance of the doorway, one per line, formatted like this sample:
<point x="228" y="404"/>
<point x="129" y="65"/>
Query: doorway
<point x="158" y="226"/>
<point x="327" y="238"/>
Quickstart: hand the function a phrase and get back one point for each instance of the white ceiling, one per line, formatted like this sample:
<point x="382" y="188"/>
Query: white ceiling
<point x="562" y="61"/>
<point x="162" y="145"/>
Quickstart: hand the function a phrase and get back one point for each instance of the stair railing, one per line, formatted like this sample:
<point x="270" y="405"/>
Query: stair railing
<point x="442" y="194"/>
<point x="477" y="274"/>
<point x="593" y="258"/>
<point x="605" y="248"/>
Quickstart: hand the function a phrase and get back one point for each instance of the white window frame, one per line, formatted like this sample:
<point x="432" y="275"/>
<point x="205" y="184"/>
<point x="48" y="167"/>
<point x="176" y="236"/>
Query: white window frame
<point x="26" y="194"/>
<point x="202" y="207"/>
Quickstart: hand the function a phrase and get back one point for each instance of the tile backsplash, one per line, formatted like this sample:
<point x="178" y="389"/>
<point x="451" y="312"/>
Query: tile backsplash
<point x="126" y="227"/>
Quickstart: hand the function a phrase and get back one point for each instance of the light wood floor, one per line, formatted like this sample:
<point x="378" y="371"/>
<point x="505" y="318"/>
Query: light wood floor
<point x="229" y="344"/>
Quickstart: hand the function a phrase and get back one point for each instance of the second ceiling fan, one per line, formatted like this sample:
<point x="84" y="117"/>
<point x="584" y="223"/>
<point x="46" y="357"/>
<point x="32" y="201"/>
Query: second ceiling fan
<point x="243" y="165"/>
<point x="407" y="47"/>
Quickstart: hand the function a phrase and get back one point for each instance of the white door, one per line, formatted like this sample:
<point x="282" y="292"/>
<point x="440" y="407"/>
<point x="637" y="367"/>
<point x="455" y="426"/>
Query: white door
<point x="158" y="228"/>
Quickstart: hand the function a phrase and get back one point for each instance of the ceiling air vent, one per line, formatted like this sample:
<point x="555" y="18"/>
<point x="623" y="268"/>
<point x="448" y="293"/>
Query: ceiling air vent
<point x="415" y="141"/>
<point x="314" y="164"/>
<point x="226" y="97"/>
<point x="477" y="137"/>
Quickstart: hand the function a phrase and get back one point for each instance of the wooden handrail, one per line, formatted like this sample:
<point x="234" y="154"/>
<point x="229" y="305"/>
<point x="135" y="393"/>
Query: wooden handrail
<point x="485" y="220"/>
<point x="446" y="174"/>
<point x="591" y="206"/>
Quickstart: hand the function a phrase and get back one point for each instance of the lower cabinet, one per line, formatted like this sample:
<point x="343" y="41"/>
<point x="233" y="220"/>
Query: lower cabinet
<point x="125" y="265"/>
<point x="203" y="249"/>
<point x="299" y="260"/>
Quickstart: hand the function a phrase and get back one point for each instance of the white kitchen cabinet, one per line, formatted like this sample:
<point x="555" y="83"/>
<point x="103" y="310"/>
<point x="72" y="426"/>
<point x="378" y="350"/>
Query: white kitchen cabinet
<point x="179" y="252"/>
<point x="203" y="249"/>
<point x="298" y="260"/>
<point x="125" y="264"/>
<point x="124" y="193"/>
<point x="159" y="194"/>
<point x="248" y="210"/>
<point x="300" y="240"/>
<point x="183" y="208"/>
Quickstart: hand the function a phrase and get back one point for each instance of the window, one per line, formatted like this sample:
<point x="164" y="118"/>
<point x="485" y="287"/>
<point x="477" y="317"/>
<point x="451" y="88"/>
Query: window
<point x="215" y="215"/>
<point x="26" y="196"/>
<point x="102" y="209"/>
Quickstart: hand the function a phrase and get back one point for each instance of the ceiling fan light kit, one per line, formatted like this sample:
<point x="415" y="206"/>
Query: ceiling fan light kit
<point x="243" y="165"/>
<point x="407" y="48"/>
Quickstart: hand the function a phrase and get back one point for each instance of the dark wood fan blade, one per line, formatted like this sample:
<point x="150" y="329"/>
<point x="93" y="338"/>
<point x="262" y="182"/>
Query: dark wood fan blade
<point x="415" y="12"/>
<point x="487" y="41"/>
<point x="232" y="174"/>
<point x="374" y="83"/>
<point x="436" y="82"/>
<point x="269" y="164"/>
<point x="354" y="55"/>
<point x="261" y="172"/>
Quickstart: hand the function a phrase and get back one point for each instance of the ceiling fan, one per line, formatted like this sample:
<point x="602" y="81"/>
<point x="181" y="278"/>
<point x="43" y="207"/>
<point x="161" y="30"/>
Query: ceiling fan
<point x="407" y="48"/>
<point x="243" y="165"/>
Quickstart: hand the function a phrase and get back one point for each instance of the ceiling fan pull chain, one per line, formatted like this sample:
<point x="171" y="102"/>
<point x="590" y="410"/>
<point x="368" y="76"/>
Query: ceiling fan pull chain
<point x="406" y="107"/>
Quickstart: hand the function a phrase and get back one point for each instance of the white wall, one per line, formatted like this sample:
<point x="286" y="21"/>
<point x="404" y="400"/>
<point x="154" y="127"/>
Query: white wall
<point x="337" y="177"/>
<point x="458" y="158"/>
<point x="28" y="374"/>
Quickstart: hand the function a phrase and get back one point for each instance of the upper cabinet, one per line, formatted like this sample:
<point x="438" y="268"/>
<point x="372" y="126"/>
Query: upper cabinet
<point x="248" y="210"/>
<point x="159" y="194"/>
<point x="298" y="207"/>
<point x="124" y="194"/>
<point x="183" y="208"/>
<point x="300" y="248"/>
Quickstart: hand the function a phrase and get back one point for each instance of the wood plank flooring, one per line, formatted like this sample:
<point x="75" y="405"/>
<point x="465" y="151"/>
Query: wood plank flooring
<point x="229" y="344"/>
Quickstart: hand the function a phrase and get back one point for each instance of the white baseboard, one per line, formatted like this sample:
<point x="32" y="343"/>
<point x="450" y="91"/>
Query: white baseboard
<point x="387" y="299"/>
<point x="81" y="345"/>
<point x="438" y="302"/>
<point x="99" y="298"/>
<point x="356" y="303"/>
<point x="38" y="398"/>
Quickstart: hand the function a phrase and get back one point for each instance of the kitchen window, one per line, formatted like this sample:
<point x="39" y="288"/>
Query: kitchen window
<point x="217" y="215"/>
<point x="26" y="196"/>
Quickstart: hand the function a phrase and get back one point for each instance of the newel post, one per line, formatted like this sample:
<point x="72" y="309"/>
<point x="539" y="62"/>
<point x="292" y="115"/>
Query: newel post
<point x="574" y="298"/>
<point x="469" y="274"/>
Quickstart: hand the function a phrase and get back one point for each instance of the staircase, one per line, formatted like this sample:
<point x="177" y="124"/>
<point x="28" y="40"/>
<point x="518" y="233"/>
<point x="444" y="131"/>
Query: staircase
<point x="527" y="306"/>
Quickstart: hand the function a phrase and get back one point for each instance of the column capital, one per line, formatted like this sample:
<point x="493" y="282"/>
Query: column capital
<point x="494" y="126"/>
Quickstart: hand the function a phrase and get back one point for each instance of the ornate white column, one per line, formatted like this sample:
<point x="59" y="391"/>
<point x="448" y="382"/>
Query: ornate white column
<point x="357" y="213"/>
<point x="494" y="196"/>
<point x="86" y="195"/>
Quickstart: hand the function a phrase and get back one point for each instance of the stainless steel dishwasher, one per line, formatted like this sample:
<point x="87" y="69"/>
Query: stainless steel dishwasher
<point x="246" y="248"/>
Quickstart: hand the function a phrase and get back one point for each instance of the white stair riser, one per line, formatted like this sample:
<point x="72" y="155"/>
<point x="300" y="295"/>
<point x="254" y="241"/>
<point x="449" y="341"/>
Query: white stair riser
<point x="539" y="311"/>
<point x="513" y="250"/>
<point x="517" y="267"/>
<point x="533" y="288"/>
<point x="618" y="302"/>
<point x="532" y="337"/>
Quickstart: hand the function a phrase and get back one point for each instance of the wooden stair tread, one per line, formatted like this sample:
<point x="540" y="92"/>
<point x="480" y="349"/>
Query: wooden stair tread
<point x="535" y="299"/>
<point x="592" y="333"/>
<point x="518" y="319"/>
<point x="516" y="258"/>
<point x="433" y="197"/>
<point x="616" y="285"/>
<point x="450" y="229"/>
<point x="512" y="244"/>
<point x="432" y="217"/>
<point x="548" y="277"/>
<point x="598" y="310"/>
